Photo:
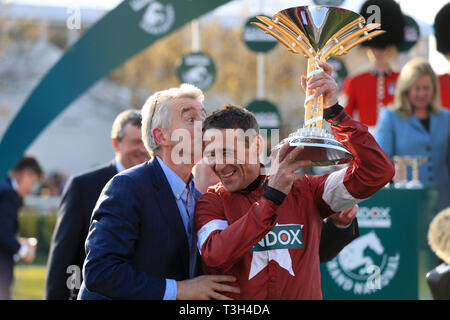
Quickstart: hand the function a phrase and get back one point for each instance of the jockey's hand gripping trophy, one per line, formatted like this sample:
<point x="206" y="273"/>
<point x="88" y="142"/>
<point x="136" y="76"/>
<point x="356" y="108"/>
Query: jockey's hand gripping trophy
<point x="317" y="32"/>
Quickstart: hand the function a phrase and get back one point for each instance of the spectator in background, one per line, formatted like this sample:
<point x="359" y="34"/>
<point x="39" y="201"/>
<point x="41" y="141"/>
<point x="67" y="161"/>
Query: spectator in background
<point x="441" y="30"/>
<point x="417" y="126"/>
<point x="439" y="240"/>
<point x="365" y="94"/>
<point x="338" y="231"/>
<point x="53" y="184"/>
<point x="17" y="185"/>
<point x="78" y="201"/>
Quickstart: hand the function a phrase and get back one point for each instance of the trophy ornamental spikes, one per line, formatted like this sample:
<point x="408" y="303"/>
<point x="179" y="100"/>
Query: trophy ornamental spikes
<point x="318" y="32"/>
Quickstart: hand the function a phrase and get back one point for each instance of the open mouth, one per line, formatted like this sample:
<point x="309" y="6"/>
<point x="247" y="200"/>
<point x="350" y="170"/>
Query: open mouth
<point x="228" y="174"/>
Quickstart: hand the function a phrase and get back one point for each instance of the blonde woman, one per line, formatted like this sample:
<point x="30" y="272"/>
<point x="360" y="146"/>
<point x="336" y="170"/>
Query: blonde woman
<point x="417" y="126"/>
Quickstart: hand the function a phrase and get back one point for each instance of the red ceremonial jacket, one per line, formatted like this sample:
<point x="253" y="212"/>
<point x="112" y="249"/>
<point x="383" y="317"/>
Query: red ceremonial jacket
<point x="272" y="250"/>
<point x="365" y="94"/>
<point x="444" y="87"/>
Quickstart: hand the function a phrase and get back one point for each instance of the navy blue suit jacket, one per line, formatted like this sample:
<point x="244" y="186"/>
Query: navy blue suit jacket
<point x="10" y="203"/>
<point x="67" y="247"/>
<point x="136" y="239"/>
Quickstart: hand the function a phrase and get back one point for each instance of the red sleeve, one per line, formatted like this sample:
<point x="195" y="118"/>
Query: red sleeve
<point x="370" y="170"/>
<point x="221" y="244"/>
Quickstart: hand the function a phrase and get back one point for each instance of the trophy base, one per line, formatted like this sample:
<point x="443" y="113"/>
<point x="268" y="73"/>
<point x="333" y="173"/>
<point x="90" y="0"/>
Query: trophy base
<point x="414" y="185"/>
<point x="321" y="147"/>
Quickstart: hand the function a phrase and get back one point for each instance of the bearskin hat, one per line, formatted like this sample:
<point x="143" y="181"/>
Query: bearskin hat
<point x="392" y="22"/>
<point x="442" y="28"/>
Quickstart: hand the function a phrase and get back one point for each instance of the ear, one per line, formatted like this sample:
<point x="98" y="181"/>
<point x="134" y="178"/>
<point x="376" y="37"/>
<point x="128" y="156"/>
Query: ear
<point x="160" y="136"/>
<point x="115" y="144"/>
<point x="259" y="145"/>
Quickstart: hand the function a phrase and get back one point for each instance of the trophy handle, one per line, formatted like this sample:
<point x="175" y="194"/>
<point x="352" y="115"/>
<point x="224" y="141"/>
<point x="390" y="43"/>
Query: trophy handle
<point x="313" y="106"/>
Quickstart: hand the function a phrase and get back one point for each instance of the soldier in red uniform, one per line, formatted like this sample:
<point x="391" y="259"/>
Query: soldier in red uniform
<point x="363" y="95"/>
<point x="441" y="31"/>
<point x="265" y="230"/>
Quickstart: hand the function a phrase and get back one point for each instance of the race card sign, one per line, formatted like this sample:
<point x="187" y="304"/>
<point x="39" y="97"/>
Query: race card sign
<point x="256" y="39"/>
<point x="197" y="68"/>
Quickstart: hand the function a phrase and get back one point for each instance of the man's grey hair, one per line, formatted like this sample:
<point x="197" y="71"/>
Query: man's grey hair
<point x="155" y="112"/>
<point x="132" y="116"/>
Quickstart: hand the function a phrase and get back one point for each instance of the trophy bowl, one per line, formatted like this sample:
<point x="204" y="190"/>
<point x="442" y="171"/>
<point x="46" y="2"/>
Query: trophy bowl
<point x="317" y="32"/>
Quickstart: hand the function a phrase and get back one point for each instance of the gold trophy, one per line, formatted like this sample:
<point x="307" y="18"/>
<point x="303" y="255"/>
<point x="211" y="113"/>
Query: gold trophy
<point x="401" y="171"/>
<point x="317" y="32"/>
<point x="400" y="178"/>
<point x="415" y="162"/>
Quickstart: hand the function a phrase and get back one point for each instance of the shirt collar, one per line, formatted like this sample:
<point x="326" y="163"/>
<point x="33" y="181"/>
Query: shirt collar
<point x="384" y="73"/>
<point x="119" y="166"/>
<point x="255" y="184"/>
<point x="176" y="183"/>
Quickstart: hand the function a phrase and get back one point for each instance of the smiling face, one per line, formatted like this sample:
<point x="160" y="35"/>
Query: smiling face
<point x="421" y="93"/>
<point x="234" y="161"/>
<point x="130" y="149"/>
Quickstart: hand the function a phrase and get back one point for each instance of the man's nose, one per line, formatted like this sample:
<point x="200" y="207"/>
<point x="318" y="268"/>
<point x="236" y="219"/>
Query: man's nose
<point x="219" y="167"/>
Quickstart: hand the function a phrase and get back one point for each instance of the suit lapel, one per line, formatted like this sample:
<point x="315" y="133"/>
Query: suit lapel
<point x="18" y="199"/>
<point x="170" y="211"/>
<point x="416" y="123"/>
<point x="435" y="125"/>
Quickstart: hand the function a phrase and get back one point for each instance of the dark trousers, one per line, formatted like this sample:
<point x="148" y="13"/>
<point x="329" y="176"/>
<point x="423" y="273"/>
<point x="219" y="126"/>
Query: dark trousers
<point x="6" y="279"/>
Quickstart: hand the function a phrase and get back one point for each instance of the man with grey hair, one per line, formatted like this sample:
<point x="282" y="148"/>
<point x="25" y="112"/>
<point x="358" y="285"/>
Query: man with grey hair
<point x="141" y="242"/>
<point x="80" y="195"/>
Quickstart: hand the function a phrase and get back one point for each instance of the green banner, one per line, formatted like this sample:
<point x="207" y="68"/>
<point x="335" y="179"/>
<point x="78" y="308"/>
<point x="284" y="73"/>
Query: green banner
<point x="122" y="33"/>
<point x="390" y="258"/>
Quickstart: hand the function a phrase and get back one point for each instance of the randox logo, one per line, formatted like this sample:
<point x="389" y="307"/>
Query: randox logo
<point x="375" y="217"/>
<point x="158" y="18"/>
<point x="287" y="236"/>
<point x="363" y="267"/>
<point x="274" y="246"/>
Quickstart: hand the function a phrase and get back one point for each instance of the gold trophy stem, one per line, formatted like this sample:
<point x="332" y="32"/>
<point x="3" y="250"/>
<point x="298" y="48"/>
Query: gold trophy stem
<point x="415" y="170"/>
<point x="313" y="106"/>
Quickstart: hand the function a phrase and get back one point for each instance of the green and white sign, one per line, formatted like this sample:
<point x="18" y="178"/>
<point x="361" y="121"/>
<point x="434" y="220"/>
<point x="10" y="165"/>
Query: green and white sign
<point x="198" y="69"/>
<point x="266" y="114"/>
<point x="412" y="34"/>
<point x="389" y="259"/>
<point x="256" y="39"/>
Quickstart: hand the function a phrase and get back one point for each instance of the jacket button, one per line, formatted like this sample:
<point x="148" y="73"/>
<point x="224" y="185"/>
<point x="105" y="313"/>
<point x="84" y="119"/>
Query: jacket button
<point x="428" y="148"/>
